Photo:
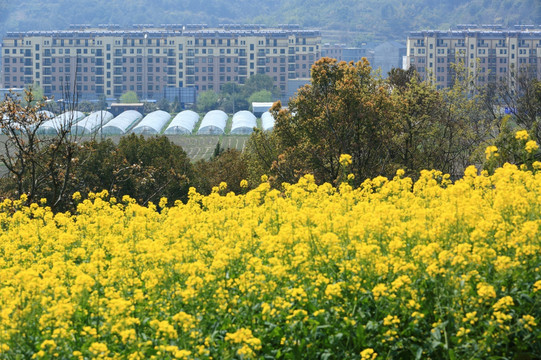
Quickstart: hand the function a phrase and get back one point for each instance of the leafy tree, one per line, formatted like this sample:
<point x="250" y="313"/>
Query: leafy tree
<point x="259" y="82"/>
<point x="260" y="96"/>
<point x="218" y="150"/>
<point x="129" y="97"/>
<point x="102" y="167"/>
<point x="207" y="101"/>
<point x="229" y="167"/>
<point x="343" y="111"/>
<point x="419" y="124"/>
<point x="232" y="98"/>
<point x="163" y="104"/>
<point x="157" y="168"/>
<point x="85" y="106"/>
<point x="262" y="156"/>
<point x="149" y="107"/>
<point x="102" y="103"/>
<point x="175" y="105"/>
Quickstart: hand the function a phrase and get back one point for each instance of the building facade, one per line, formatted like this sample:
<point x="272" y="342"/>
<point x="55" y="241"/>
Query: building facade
<point x="109" y="61"/>
<point x="389" y="55"/>
<point x="491" y="53"/>
<point x="341" y="52"/>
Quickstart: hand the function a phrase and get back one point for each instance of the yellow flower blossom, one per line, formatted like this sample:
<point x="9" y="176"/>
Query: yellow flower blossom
<point x="368" y="354"/>
<point x="522" y="135"/>
<point x="345" y="160"/>
<point x="531" y="146"/>
<point x="491" y="151"/>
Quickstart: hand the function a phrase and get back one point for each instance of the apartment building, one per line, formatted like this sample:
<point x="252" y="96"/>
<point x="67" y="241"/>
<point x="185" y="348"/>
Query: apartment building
<point x="109" y="61"/>
<point x="489" y="51"/>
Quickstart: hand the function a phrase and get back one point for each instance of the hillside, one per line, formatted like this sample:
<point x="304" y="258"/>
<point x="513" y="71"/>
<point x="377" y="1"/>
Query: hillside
<point x="373" y="19"/>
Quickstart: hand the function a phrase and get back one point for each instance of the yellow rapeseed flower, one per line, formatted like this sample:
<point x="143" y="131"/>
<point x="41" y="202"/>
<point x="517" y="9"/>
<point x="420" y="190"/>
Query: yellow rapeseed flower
<point x="531" y="146"/>
<point x="345" y="160"/>
<point x="522" y="135"/>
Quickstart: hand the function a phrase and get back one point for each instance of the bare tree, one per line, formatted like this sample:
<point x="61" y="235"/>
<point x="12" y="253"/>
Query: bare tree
<point x="40" y="164"/>
<point x="520" y="94"/>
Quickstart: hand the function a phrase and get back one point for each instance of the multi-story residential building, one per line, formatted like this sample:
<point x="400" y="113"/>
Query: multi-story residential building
<point x="108" y="61"/>
<point x="489" y="51"/>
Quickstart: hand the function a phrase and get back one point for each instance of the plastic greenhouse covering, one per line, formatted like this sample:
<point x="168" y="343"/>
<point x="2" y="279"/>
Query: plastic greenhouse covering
<point x="91" y="123"/>
<point x="44" y="115"/>
<point x="243" y="122"/>
<point x="62" y="121"/>
<point x="183" y="123"/>
<point x="267" y="121"/>
<point x="153" y="123"/>
<point x="121" y="124"/>
<point x="213" y="123"/>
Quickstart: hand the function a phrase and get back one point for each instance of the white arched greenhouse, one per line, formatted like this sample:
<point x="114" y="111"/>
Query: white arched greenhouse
<point x="267" y="121"/>
<point x="91" y="123"/>
<point x="244" y="123"/>
<point x="183" y="123"/>
<point x="153" y="123"/>
<point x="213" y="123"/>
<point x="121" y="124"/>
<point x="61" y="122"/>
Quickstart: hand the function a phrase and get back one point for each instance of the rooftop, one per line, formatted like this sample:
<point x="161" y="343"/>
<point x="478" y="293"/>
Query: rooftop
<point x="164" y="30"/>
<point x="482" y="30"/>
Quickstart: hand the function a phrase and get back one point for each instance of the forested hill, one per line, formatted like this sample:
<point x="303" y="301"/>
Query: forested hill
<point x="376" y="19"/>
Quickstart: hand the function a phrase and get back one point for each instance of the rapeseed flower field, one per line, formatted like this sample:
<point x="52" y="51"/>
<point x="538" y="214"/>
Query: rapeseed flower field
<point x="389" y="270"/>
